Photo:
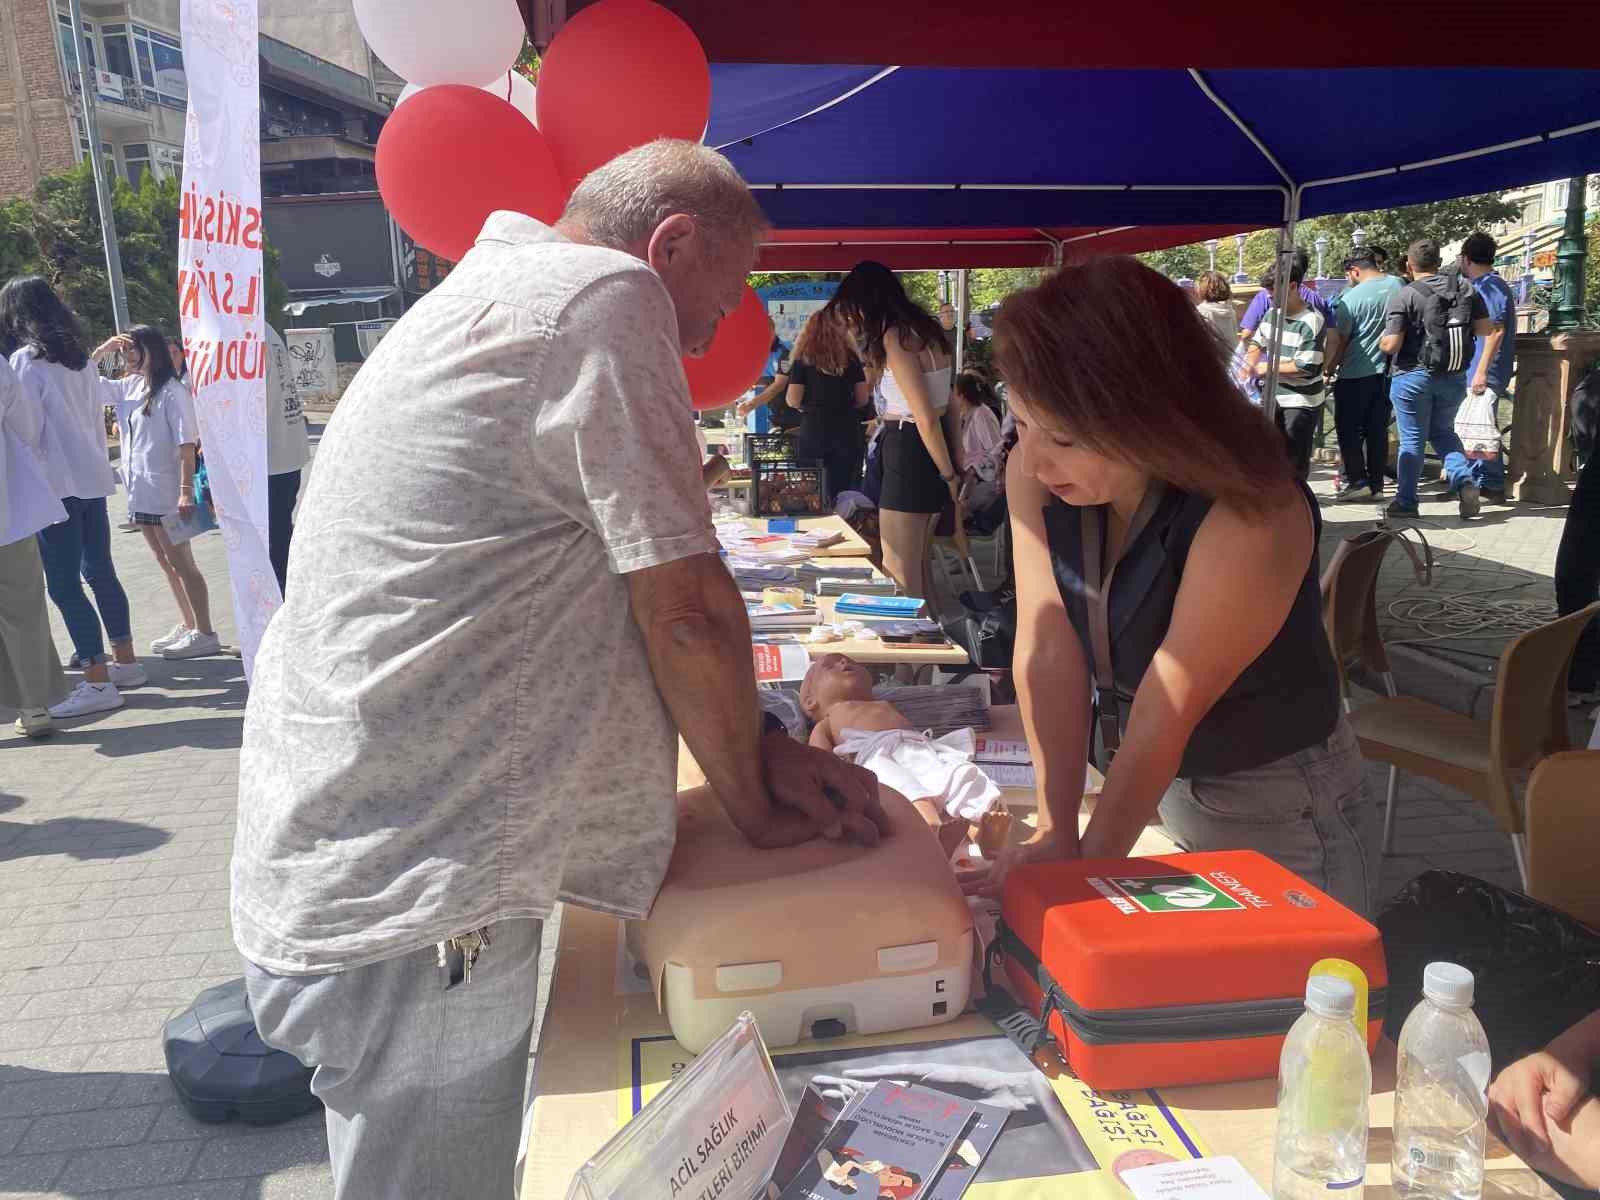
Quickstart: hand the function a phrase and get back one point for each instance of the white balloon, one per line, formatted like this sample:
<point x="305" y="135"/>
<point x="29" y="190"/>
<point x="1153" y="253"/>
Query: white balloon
<point x="430" y="41"/>
<point x="521" y="93"/>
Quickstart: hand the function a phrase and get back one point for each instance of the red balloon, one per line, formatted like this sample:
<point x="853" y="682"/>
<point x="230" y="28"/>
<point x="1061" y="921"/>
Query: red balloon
<point x="737" y="354"/>
<point x="619" y="74"/>
<point x="451" y="155"/>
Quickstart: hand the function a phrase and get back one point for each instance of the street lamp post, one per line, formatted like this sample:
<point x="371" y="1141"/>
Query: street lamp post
<point x="1322" y="249"/>
<point x="1240" y="276"/>
<point x="1358" y="237"/>
<point x="1211" y="249"/>
<point x="1525" y="283"/>
<point x="1571" y="251"/>
<point x="102" y="185"/>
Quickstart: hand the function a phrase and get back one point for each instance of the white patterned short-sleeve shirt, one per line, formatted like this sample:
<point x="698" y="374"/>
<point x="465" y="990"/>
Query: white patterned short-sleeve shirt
<point x="452" y="719"/>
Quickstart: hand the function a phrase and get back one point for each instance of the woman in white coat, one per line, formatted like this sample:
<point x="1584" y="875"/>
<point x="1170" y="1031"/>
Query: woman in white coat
<point x="30" y="669"/>
<point x="47" y="353"/>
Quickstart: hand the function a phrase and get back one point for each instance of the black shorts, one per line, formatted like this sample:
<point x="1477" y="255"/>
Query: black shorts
<point x="911" y="481"/>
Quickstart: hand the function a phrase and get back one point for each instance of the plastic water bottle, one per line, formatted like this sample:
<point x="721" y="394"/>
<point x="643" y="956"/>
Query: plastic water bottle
<point x="1324" y="1082"/>
<point x="1439" y="1101"/>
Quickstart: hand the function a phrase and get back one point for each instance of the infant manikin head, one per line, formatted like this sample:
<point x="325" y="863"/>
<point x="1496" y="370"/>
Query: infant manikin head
<point x="833" y="679"/>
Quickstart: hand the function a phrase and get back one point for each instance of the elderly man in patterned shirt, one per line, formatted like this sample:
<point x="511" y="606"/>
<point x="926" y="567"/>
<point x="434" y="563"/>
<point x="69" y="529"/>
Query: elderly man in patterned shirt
<point x="508" y="603"/>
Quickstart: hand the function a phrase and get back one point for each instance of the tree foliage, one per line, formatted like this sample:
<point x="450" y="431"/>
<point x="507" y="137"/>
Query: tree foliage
<point x="1392" y="228"/>
<point x="56" y="233"/>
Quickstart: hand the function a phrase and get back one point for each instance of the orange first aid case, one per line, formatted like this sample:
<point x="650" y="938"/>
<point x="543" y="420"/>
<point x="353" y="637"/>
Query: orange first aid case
<point x="1177" y="969"/>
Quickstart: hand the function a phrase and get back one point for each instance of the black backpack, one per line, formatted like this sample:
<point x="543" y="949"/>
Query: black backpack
<point x="1447" y="340"/>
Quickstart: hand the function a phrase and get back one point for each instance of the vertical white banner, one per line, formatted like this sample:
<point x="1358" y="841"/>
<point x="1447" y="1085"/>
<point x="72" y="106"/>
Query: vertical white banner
<point x="221" y="293"/>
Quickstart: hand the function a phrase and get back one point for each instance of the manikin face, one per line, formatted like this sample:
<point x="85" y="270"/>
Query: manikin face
<point x="833" y="678"/>
<point x="1068" y="470"/>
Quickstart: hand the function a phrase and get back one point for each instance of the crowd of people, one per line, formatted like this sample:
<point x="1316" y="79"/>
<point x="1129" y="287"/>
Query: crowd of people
<point x="1423" y="343"/>
<point x="55" y="525"/>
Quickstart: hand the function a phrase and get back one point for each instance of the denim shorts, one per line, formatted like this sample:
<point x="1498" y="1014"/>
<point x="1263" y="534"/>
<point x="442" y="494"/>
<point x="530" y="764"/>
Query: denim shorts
<point x="1310" y="812"/>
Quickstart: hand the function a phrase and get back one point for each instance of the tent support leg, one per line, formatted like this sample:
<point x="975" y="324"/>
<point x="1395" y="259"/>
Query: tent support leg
<point x="1280" y="294"/>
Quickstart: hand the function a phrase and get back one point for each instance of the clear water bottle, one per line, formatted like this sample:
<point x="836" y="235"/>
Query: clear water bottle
<point x="1440" y="1104"/>
<point x="1324" y="1082"/>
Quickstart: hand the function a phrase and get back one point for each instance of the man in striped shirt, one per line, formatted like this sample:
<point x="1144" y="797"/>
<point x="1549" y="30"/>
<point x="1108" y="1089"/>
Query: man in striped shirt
<point x="1300" y="384"/>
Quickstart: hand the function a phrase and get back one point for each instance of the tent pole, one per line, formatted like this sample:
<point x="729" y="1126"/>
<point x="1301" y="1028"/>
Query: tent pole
<point x="961" y="319"/>
<point x="1280" y="295"/>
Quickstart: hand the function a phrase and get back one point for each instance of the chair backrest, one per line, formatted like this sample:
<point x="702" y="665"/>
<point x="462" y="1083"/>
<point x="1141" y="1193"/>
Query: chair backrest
<point x="1530" y="693"/>
<point x="1349" y="602"/>
<point x="1563" y="829"/>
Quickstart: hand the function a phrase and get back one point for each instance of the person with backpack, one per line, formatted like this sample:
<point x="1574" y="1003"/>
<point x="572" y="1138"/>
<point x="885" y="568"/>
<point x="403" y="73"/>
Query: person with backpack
<point x="1430" y="329"/>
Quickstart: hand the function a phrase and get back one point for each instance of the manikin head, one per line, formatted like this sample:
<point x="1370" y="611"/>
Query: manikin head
<point x="833" y="679"/>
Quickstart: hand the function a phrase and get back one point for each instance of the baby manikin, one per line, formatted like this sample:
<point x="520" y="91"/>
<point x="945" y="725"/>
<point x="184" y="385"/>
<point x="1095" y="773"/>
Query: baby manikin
<point x="936" y="774"/>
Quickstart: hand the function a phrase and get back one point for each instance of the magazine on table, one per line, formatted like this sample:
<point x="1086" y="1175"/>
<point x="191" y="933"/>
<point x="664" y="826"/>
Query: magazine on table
<point x="897" y="1139"/>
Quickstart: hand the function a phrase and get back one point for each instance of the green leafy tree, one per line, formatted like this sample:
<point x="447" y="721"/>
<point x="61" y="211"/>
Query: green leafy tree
<point x="1392" y="228"/>
<point x="56" y="233"/>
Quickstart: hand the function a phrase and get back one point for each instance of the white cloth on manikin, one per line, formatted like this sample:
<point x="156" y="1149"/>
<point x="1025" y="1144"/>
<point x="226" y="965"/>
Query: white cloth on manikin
<point x="922" y="767"/>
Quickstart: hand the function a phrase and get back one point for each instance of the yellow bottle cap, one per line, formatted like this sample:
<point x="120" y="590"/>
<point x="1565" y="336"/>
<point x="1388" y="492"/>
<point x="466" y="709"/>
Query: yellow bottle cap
<point x="1341" y="969"/>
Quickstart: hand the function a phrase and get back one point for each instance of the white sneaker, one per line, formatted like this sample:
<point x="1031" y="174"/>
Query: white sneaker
<point x="87" y="698"/>
<point x="171" y="639"/>
<point x="34" y="722"/>
<point x="194" y="644"/>
<point x="127" y="675"/>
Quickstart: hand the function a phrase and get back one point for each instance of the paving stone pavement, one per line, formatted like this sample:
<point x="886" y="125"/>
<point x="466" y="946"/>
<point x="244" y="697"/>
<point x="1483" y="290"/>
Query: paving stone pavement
<point x="115" y="837"/>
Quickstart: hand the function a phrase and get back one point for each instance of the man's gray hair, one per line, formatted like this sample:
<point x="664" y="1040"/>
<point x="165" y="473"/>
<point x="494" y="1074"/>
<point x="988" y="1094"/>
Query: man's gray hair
<point x="622" y="203"/>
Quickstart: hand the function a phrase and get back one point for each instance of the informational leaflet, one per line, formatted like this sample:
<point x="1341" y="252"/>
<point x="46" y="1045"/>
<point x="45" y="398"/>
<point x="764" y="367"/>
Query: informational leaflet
<point x="1222" y="1178"/>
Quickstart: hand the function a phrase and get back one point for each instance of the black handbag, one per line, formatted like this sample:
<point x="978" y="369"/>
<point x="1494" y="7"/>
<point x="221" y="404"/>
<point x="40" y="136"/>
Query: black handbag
<point x="987" y="628"/>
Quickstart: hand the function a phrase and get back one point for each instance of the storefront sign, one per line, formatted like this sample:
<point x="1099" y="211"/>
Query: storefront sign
<point x="713" y="1133"/>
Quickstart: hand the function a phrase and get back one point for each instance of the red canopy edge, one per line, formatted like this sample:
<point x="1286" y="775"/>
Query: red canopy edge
<point x="1134" y="33"/>
<point x="935" y="249"/>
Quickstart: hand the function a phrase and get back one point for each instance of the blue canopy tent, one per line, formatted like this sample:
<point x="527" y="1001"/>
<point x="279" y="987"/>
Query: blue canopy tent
<point x="951" y="148"/>
<point x="1047" y="149"/>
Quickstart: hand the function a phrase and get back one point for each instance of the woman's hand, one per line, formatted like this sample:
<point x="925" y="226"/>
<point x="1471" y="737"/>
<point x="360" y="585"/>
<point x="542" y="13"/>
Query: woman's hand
<point x="1045" y="846"/>
<point x="185" y="502"/>
<point x="1544" y="1088"/>
<point x="116" y="342"/>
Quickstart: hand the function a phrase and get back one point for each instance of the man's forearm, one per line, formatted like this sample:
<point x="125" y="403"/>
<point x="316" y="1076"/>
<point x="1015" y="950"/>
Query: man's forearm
<point x="700" y="657"/>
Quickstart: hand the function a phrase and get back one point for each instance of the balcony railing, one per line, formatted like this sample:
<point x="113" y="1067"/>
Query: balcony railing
<point x="115" y="91"/>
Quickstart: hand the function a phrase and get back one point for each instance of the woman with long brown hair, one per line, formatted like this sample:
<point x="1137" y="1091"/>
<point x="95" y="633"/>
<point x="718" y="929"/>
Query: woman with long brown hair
<point x="1166" y="560"/>
<point x="158" y="413"/>
<point x="919" y="472"/>
<point x="829" y="389"/>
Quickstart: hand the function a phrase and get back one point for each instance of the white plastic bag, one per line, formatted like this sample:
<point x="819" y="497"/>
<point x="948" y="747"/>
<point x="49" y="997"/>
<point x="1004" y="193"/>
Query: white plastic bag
<point x="1477" y="424"/>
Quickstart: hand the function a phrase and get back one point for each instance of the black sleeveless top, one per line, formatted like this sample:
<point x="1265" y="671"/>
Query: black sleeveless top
<point x="1284" y="701"/>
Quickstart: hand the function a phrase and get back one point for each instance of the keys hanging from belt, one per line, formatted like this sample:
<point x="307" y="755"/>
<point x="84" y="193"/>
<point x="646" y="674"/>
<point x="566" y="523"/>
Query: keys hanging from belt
<point x="458" y="954"/>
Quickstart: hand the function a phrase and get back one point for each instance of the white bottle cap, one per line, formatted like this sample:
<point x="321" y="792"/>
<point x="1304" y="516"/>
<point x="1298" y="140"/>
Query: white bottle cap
<point x="1448" y="984"/>
<point x="1329" y="996"/>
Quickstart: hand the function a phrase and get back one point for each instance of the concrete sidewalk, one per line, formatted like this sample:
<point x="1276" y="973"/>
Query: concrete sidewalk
<point x="115" y="837"/>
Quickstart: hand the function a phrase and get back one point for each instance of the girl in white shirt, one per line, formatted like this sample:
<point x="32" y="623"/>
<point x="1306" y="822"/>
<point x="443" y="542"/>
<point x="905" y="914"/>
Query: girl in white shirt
<point x="158" y="414"/>
<point x="30" y="669"/>
<point x="47" y="353"/>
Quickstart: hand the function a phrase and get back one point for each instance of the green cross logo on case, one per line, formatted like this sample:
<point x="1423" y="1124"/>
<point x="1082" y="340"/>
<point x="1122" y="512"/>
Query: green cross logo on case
<point x="1176" y="893"/>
